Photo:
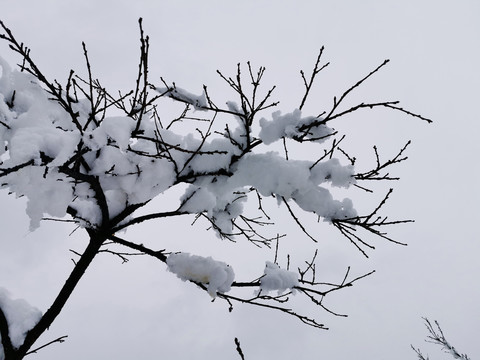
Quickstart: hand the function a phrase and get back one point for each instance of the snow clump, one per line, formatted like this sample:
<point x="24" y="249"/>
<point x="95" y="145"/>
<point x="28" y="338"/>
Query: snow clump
<point x="277" y="279"/>
<point x="199" y="102"/>
<point x="288" y="126"/>
<point x="272" y="175"/>
<point x="216" y="275"/>
<point x="21" y="318"/>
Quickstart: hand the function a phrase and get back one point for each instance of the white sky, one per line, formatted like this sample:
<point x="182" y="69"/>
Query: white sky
<point x="138" y="310"/>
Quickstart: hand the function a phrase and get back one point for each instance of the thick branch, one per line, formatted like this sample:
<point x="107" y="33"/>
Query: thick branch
<point x="70" y="284"/>
<point x="5" y="335"/>
<point x="95" y="185"/>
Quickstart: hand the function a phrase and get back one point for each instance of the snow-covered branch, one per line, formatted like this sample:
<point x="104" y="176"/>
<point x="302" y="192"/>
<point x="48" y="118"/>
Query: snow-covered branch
<point x="17" y="318"/>
<point x="217" y="278"/>
<point x="82" y="153"/>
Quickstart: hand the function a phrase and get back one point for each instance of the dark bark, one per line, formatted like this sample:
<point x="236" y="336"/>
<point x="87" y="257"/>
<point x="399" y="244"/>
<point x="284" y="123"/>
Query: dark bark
<point x="96" y="241"/>
<point x="5" y="334"/>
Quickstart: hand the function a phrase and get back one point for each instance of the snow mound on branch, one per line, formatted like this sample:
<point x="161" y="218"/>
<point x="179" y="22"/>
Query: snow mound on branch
<point x="199" y="102"/>
<point x="285" y="179"/>
<point x="216" y="275"/>
<point x="37" y="142"/>
<point x="272" y="175"/>
<point x="116" y="128"/>
<point x="277" y="279"/>
<point x="21" y="317"/>
<point x="288" y="126"/>
<point x="332" y="171"/>
<point x="198" y="199"/>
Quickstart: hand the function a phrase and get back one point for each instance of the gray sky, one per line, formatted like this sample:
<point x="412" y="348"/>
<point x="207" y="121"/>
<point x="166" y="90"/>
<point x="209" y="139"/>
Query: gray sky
<point x="139" y="310"/>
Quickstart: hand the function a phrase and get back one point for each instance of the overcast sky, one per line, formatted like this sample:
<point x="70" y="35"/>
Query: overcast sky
<point x="138" y="310"/>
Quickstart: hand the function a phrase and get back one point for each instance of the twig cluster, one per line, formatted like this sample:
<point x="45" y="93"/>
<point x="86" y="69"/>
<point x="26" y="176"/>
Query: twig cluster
<point x="437" y="337"/>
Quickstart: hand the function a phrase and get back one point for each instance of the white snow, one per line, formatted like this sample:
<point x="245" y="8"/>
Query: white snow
<point x="273" y="175"/>
<point x="136" y="170"/>
<point x="116" y="128"/>
<point x="288" y="126"/>
<point x="37" y="129"/>
<point x="332" y="171"/>
<point x="199" y="102"/>
<point x="20" y="316"/>
<point x="216" y="275"/>
<point x="198" y="199"/>
<point x="277" y="279"/>
<point x="30" y="141"/>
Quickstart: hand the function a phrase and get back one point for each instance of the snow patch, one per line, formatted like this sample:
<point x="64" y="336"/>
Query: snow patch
<point x="20" y="315"/>
<point x="289" y="125"/>
<point x="199" y="102"/>
<point x="216" y="275"/>
<point x="277" y="279"/>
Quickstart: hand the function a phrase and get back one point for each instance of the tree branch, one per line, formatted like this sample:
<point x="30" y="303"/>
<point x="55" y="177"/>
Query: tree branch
<point x="60" y="340"/>
<point x="49" y="316"/>
<point x="8" y="348"/>
<point x="239" y="349"/>
<point x="437" y="337"/>
<point x="139" y="247"/>
<point x="316" y="70"/>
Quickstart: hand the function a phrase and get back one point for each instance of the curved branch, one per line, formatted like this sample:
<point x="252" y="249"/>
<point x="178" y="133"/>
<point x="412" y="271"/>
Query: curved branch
<point x="305" y="319"/>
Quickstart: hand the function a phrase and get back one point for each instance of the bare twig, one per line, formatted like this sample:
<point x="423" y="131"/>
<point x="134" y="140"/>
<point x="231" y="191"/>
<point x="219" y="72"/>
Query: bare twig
<point x="60" y="340"/>
<point x="374" y="174"/>
<point x="437" y="337"/>
<point x="239" y="349"/>
<point x="316" y="70"/>
<point x="297" y="220"/>
<point x="348" y="226"/>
